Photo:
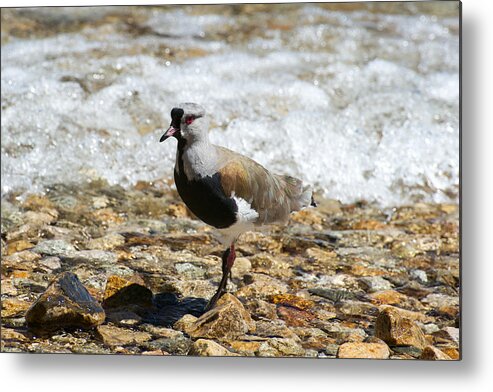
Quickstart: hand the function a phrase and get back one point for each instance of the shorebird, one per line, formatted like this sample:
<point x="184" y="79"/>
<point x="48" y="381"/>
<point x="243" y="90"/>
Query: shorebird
<point x="225" y="189"/>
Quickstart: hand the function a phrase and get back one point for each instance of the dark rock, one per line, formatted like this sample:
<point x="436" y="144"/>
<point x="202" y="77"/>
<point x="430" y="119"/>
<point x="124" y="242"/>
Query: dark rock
<point x="65" y="303"/>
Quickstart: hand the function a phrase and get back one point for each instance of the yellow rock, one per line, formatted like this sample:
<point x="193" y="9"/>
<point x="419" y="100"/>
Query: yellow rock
<point x="395" y="329"/>
<point x="434" y="354"/>
<point x="14" y="307"/>
<point x="364" y="350"/>
<point x="18" y="246"/>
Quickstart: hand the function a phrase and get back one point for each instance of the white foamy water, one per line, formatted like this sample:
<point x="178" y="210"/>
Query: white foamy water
<point x="360" y="104"/>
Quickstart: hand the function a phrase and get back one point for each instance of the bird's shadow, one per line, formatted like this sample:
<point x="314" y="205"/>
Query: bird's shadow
<point x="169" y="308"/>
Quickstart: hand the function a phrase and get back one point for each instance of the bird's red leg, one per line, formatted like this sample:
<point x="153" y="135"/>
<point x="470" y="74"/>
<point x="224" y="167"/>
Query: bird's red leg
<point x="228" y="258"/>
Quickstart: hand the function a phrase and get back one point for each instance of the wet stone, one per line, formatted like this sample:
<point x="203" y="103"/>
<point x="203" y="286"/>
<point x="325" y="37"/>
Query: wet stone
<point x="65" y="303"/>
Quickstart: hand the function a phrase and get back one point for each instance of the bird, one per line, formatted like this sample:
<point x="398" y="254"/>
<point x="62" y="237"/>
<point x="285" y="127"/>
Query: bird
<point x="225" y="189"/>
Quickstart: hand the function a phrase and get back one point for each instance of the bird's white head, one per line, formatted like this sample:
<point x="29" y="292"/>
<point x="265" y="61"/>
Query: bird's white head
<point x="188" y="122"/>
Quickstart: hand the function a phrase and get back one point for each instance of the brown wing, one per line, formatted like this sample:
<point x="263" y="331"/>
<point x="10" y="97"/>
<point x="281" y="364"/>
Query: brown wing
<point x="271" y="195"/>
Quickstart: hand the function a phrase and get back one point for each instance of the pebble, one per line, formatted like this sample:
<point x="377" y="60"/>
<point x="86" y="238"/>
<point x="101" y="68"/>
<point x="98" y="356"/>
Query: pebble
<point x="304" y="289"/>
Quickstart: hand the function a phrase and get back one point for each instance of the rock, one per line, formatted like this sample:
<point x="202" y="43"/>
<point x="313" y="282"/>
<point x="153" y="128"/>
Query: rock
<point x="209" y="348"/>
<point x="108" y="242"/>
<point x="294" y="317"/>
<point x="54" y="248"/>
<point x="241" y="266"/>
<point x="434" y="354"/>
<point x="189" y="270"/>
<point x="175" y="345"/>
<point x="51" y="263"/>
<point x="375" y="283"/>
<point x="364" y="350"/>
<point x="408" y="351"/>
<point x="448" y="334"/>
<point x="65" y="303"/>
<point x="342" y="333"/>
<point x="93" y="257"/>
<point x="396" y="330"/>
<point x="388" y="297"/>
<point x="124" y="293"/>
<point x="452" y="352"/>
<point x="273" y="328"/>
<point x="440" y="300"/>
<point x="245" y="348"/>
<point x="292" y="301"/>
<point x="228" y="320"/>
<point x="358" y="308"/>
<point x="18" y="246"/>
<point x="13" y="307"/>
<point x="186" y="323"/>
<point x="261" y="309"/>
<point x="124" y="318"/>
<point x="116" y="336"/>
<point x="419" y="275"/>
<point x="281" y="347"/>
<point x="262" y="286"/>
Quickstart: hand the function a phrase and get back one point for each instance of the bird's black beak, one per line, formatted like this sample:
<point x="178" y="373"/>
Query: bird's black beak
<point x="170" y="132"/>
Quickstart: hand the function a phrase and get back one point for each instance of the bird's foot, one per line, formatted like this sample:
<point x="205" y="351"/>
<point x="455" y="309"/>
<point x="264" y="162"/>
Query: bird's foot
<point x="212" y="302"/>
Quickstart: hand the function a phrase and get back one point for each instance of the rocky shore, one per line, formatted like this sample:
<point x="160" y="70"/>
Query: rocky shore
<point x="99" y="269"/>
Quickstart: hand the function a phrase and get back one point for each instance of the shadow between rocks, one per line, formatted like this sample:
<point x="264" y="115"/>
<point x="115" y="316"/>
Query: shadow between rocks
<point x="169" y="308"/>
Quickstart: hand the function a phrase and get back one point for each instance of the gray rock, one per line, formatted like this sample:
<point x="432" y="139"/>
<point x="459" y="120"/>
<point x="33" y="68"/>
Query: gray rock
<point x="419" y="275"/>
<point x="94" y="256"/>
<point x="190" y="270"/>
<point x="54" y="248"/>
<point x="375" y="283"/>
<point x="65" y="303"/>
<point x="178" y="345"/>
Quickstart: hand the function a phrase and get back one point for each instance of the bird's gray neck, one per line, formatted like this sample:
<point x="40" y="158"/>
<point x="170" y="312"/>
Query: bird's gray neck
<point x="197" y="158"/>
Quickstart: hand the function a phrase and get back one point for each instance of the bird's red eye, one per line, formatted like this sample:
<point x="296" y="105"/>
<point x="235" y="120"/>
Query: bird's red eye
<point x="189" y="120"/>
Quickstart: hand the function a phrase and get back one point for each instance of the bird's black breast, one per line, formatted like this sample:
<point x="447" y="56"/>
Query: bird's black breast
<point x="205" y="197"/>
